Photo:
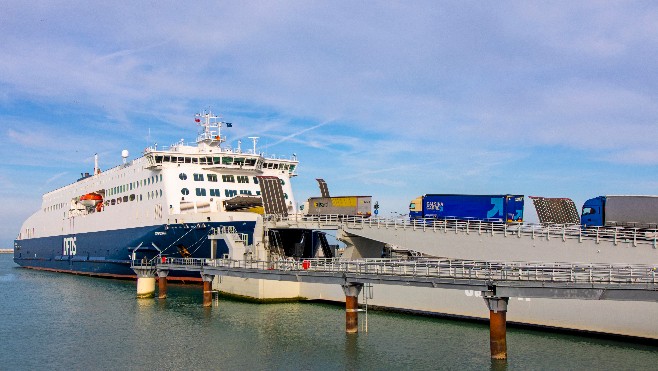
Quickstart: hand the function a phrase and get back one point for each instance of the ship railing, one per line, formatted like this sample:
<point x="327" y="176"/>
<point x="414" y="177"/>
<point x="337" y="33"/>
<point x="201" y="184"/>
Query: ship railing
<point x="194" y="262"/>
<point x="224" y="229"/>
<point x="461" y="269"/>
<point x="329" y="219"/>
<point x="143" y="263"/>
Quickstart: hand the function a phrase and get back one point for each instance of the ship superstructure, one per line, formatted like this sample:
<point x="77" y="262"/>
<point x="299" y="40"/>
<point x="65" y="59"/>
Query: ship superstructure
<point x="162" y="203"/>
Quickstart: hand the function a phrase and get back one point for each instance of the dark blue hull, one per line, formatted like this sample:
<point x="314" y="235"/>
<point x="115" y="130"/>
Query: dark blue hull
<point x="109" y="253"/>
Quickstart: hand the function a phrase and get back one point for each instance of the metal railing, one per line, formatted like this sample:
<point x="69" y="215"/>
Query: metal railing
<point x="567" y="273"/>
<point x="564" y="232"/>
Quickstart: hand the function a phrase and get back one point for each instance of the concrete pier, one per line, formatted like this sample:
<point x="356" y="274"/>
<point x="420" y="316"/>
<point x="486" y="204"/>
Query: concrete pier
<point x="145" y="282"/>
<point x="162" y="283"/>
<point x="145" y="287"/>
<point x="497" y="326"/>
<point x="352" y="291"/>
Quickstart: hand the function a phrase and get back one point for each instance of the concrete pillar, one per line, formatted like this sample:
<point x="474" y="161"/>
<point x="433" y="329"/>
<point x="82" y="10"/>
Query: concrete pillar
<point x="497" y="326"/>
<point x="145" y="281"/>
<point x="162" y="283"/>
<point x="352" y="291"/>
<point x="207" y="290"/>
<point x="145" y="287"/>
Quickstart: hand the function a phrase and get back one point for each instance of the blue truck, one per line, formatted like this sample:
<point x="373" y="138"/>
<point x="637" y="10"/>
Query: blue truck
<point x="621" y="211"/>
<point x="491" y="208"/>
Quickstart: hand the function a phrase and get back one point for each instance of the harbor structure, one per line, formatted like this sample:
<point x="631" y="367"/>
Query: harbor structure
<point x="208" y="200"/>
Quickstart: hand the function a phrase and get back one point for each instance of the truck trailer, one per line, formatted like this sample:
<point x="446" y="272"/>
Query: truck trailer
<point x="621" y="211"/>
<point x="341" y="205"/>
<point x="491" y="208"/>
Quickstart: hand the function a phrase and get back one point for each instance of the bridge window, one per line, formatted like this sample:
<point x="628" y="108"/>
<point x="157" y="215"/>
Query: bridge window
<point x="198" y="177"/>
<point x="243" y="179"/>
<point x="230" y="192"/>
<point x="228" y="178"/>
<point x="200" y="191"/>
<point x="255" y="180"/>
<point x="215" y="192"/>
<point x="212" y="177"/>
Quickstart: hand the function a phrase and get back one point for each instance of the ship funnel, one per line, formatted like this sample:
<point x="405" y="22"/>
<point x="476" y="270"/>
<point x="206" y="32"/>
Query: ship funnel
<point x="96" y="170"/>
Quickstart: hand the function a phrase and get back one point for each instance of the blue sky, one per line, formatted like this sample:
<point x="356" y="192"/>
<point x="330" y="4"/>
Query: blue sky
<point x="389" y="99"/>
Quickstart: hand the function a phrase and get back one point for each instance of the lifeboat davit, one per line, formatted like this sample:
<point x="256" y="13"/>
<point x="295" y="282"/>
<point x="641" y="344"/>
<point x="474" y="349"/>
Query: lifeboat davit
<point x="91" y="199"/>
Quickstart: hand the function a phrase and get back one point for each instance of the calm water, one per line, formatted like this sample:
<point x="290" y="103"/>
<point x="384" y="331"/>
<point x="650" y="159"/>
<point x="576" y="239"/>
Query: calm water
<point x="62" y="322"/>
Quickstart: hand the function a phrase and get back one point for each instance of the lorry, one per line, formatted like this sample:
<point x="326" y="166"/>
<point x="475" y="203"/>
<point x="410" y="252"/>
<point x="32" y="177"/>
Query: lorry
<point x="621" y="211"/>
<point x="341" y="205"/>
<point x="491" y="208"/>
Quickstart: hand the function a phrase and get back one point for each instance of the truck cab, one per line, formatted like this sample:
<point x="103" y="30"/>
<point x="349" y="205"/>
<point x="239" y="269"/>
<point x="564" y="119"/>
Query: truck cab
<point x="416" y="208"/>
<point x="592" y="213"/>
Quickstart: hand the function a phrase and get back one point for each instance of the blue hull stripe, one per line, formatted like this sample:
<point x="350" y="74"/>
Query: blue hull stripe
<point x="108" y="253"/>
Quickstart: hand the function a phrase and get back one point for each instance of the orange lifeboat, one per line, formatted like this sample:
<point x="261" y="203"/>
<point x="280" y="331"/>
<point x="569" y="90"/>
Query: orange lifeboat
<point x="91" y="199"/>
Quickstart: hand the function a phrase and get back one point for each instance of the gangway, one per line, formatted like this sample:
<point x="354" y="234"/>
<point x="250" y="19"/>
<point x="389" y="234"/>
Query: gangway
<point x="480" y="240"/>
<point x="496" y="280"/>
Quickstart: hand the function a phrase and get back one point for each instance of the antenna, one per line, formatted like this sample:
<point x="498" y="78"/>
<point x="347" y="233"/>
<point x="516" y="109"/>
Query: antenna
<point x="124" y="154"/>
<point x="254" y="139"/>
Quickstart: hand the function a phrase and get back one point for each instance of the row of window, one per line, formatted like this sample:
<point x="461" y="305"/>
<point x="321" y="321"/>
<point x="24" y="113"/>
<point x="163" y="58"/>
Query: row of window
<point x="224" y="160"/>
<point x="226" y="178"/>
<point x="134" y="185"/>
<point x="215" y="192"/>
<point x="207" y="160"/>
<point x="133" y="197"/>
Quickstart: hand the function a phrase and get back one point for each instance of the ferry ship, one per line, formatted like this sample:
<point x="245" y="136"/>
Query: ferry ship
<point x="164" y="203"/>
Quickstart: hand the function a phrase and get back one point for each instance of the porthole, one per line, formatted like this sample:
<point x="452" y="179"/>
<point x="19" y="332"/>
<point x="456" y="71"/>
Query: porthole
<point x="185" y="191"/>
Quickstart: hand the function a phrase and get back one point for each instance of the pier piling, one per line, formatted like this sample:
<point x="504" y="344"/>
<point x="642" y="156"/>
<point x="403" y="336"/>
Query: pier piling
<point x="497" y="326"/>
<point x="162" y="283"/>
<point x="352" y="291"/>
<point x="207" y="290"/>
<point x="145" y="281"/>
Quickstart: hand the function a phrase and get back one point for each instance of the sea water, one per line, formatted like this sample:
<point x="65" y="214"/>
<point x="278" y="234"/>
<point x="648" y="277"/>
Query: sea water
<point x="57" y="321"/>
